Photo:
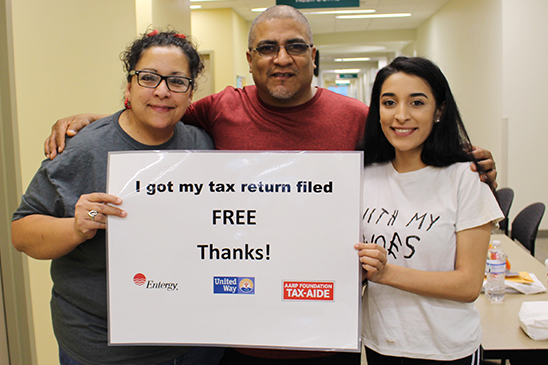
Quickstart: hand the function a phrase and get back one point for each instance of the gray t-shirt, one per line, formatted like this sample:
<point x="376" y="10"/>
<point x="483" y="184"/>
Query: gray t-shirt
<point x="79" y="296"/>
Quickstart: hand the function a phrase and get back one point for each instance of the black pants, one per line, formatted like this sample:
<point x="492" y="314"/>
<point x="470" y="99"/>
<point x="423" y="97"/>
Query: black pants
<point x="233" y="357"/>
<point x="374" y="358"/>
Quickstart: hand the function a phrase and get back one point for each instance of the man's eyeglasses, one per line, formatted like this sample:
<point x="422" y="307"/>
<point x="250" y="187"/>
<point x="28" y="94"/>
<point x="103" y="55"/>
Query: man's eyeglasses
<point x="177" y="84"/>
<point x="292" y="49"/>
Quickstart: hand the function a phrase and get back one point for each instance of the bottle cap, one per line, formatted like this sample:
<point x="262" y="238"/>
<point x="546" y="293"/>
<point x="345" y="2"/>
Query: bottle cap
<point x="495" y="243"/>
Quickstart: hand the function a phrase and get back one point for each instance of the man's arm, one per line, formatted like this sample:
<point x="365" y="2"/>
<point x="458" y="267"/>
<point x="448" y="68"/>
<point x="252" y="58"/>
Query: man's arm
<point x="70" y="126"/>
<point x="486" y="162"/>
<point x="55" y="143"/>
<point x="196" y="114"/>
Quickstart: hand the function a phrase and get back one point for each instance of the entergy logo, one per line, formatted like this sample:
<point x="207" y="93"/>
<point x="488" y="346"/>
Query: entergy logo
<point x="139" y="279"/>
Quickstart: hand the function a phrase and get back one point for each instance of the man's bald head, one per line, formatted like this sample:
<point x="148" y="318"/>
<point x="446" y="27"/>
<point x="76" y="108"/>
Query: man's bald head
<point x="279" y="12"/>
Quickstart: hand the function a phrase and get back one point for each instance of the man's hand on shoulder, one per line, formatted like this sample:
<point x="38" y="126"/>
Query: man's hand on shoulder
<point x="70" y="126"/>
<point x="488" y="171"/>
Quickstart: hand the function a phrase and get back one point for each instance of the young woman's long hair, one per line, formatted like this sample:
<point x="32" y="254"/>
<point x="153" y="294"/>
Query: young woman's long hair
<point x="447" y="143"/>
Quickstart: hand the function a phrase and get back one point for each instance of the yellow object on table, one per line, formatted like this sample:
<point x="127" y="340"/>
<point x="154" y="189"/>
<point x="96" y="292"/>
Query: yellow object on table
<point x="522" y="278"/>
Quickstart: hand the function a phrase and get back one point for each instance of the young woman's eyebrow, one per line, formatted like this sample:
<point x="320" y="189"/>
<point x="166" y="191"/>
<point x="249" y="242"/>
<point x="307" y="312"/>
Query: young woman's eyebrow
<point x="413" y="95"/>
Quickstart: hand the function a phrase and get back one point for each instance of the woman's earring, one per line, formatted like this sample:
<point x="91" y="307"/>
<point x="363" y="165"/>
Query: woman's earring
<point x="437" y="120"/>
<point x="127" y="104"/>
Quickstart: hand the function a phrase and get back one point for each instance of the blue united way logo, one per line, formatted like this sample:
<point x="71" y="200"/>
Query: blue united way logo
<point x="233" y="285"/>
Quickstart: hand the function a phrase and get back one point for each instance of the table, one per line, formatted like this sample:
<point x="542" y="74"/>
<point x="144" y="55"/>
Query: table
<point x="504" y="338"/>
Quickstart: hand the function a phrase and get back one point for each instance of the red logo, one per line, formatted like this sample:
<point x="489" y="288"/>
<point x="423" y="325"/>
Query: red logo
<point x="139" y="279"/>
<point x="307" y="290"/>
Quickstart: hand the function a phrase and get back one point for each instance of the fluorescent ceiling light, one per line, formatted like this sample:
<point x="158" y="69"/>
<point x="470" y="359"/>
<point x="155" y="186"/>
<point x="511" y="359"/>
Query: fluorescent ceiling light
<point x="363" y="11"/>
<point x="342" y="82"/>
<point x="347" y="71"/>
<point x="258" y="10"/>
<point x="352" y="59"/>
<point x="370" y="16"/>
<point x="193" y="7"/>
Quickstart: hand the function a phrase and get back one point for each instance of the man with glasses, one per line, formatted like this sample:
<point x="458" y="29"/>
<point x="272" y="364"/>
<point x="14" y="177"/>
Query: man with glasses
<point x="282" y="111"/>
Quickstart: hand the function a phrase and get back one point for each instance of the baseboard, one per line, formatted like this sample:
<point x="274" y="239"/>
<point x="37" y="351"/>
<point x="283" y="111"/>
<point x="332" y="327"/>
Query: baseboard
<point x="542" y="234"/>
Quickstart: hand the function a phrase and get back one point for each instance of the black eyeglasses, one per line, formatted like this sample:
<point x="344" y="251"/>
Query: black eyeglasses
<point x="292" y="49"/>
<point x="151" y="80"/>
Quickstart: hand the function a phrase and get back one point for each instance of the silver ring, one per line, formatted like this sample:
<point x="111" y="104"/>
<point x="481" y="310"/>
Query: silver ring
<point x="92" y="214"/>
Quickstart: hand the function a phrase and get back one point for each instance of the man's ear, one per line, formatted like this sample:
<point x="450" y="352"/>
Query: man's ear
<point x="249" y="59"/>
<point x="315" y="54"/>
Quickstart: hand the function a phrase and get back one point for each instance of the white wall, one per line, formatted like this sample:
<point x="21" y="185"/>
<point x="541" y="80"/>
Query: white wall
<point x="493" y="53"/>
<point x="464" y="38"/>
<point x="525" y="96"/>
<point x="228" y="47"/>
<point x="66" y="61"/>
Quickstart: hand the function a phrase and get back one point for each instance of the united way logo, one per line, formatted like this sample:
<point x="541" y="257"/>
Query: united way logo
<point x="233" y="285"/>
<point x="139" y="279"/>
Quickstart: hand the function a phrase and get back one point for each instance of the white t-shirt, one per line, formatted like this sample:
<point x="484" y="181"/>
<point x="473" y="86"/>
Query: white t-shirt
<point x="415" y="216"/>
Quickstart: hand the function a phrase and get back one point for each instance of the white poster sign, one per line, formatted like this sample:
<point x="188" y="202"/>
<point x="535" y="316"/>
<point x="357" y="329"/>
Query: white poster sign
<point x="243" y="249"/>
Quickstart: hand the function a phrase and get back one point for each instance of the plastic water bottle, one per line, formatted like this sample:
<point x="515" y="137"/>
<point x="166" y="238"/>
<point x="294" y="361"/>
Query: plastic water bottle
<point x="496" y="264"/>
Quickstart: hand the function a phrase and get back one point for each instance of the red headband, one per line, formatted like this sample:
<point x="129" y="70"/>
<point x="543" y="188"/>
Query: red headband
<point x="155" y="32"/>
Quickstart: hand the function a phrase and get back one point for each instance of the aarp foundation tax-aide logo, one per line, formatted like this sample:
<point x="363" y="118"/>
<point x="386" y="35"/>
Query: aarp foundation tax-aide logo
<point x="308" y="290"/>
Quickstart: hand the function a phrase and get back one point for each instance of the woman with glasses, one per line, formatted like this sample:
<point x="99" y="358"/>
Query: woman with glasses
<point x="63" y="214"/>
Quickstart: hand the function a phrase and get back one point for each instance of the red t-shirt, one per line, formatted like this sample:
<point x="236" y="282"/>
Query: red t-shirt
<point x="237" y="119"/>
